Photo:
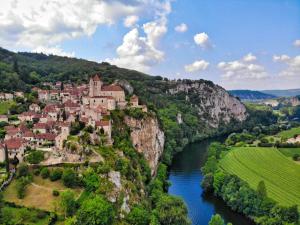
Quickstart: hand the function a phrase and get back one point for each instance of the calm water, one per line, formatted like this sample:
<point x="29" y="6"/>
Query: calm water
<point x="185" y="177"/>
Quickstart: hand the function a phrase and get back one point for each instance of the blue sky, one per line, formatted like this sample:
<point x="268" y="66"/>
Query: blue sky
<point x="265" y="31"/>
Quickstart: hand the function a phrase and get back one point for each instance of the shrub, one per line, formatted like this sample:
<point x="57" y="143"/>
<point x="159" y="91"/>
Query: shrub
<point x="45" y="173"/>
<point x="55" y="193"/>
<point x="296" y="157"/>
<point x="56" y="174"/>
<point x="35" y="157"/>
<point x="69" y="178"/>
<point x="23" y="170"/>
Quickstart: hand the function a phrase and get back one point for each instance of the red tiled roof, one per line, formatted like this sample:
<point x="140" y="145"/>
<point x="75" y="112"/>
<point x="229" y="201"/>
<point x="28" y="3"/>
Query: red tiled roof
<point x="3" y="116"/>
<point x="28" y="134"/>
<point x="71" y="104"/>
<point x="40" y="126"/>
<point x="102" y="123"/>
<point x="46" y="136"/>
<point x="111" y="88"/>
<point x="14" y="143"/>
<point x="96" y="77"/>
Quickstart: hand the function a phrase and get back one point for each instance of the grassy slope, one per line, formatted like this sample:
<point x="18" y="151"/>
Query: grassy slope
<point x="289" y="152"/>
<point x="281" y="175"/>
<point x="289" y="133"/>
<point x="5" y="106"/>
<point x="39" y="195"/>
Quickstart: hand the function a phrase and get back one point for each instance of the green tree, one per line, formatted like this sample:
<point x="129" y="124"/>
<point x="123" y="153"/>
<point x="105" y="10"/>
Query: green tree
<point x="95" y="211"/>
<point x="56" y="174"/>
<point x="91" y="180"/>
<point x="216" y="220"/>
<point x="138" y="216"/>
<point x="45" y="173"/>
<point x="69" y="178"/>
<point x="261" y="189"/>
<point x="68" y="203"/>
<point x="23" y="170"/>
<point x="171" y="210"/>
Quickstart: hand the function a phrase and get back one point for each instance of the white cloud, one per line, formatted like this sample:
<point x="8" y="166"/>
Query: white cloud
<point x="131" y="20"/>
<point x="53" y="51"/>
<point x="242" y="70"/>
<point x="297" y="43"/>
<point x="31" y="23"/>
<point x="249" y="57"/>
<point x="142" y="52"/>
<point x="181" y="28"/>
<point x="199" y="65"/>
<point x="292" y="69"/>
<point x="202" y="39"/>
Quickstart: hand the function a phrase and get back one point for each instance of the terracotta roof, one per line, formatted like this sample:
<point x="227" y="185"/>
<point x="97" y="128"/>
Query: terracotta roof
<point x="14" y="143"/>
<point x="40" y="126"/>
<point x="46" y="136"/>
<point x="96" y="77"/>
<point x="111" y="88"/>
<point x="3" y="116"/>
<point x="28" y="134"/>
<point x="71" y="104"/>
<point x="102" y="123"/>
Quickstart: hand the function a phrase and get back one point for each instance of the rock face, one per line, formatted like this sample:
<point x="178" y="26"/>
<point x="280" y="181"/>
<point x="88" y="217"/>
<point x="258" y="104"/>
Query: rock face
<point x="147" y="138"/>
<point x="214" y="104"/>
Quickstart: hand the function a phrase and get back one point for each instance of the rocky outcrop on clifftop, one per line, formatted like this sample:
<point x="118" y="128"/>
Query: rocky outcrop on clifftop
<point x="214" y="104"/>
<point x="147" y="138"/>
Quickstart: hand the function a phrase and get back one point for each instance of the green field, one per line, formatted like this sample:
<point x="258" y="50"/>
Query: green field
<point x="280" y="174"/>
<point x="5" y="106"/>
<point x="289" y="152"/>
<point x="289" y="133"/>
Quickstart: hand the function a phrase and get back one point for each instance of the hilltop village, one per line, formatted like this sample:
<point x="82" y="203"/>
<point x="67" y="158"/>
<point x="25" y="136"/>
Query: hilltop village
<point x="49" y="122"/>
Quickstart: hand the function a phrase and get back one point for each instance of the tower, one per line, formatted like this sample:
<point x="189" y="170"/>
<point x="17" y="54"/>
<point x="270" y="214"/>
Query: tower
<point x="95" y="86"/>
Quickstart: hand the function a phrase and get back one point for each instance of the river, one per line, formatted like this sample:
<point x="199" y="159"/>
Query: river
<point x="185" y="177"/>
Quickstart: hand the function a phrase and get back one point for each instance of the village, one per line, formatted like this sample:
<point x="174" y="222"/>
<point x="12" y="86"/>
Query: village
<point x="64" y="105"/>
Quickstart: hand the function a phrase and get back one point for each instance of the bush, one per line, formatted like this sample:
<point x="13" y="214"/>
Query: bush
<point x="21" y="186"/>
<point x="296" y="157"/>
<point x="55" y="193"/>
<point x="23" y="170"/>
<point x="45" y="173"/>
<point x="56" y="174"/>
<point x="35" y="157"/>
<point x="69" y="178"/>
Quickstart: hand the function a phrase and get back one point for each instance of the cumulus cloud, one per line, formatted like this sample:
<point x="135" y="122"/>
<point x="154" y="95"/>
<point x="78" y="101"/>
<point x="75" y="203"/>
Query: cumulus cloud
<point x="292" y="69"/>
<point x="131" y="20"/>
<point x="199" y="65"/>
<point x="202" y="39"/>
<point x="242" y="70"/>
<point x="142" y="52"/>
<point x="181" y="28"/>
<point x="53" y="51"/>
<point x="249" y="57"/>
<point x="31" y="23"/>
<point x="297" y="43"/>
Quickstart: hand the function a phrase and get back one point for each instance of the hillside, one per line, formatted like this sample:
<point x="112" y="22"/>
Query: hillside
<point x="249" y="95"/>
<point x="283" y="93"/>
<point x="187" y="110"/>
<point x="267" y="164"/>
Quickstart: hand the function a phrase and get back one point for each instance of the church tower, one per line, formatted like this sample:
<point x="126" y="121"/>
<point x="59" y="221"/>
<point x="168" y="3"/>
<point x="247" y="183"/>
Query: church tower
<point x="95" y="86"/>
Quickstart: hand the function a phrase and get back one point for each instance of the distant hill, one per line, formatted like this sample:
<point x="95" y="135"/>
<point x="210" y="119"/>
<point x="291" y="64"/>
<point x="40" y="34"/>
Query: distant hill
<point x="283" y="93"/>
<point x="251" y="95"/>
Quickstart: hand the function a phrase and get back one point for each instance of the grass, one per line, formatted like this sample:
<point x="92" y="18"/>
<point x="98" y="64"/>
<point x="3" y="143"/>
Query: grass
<point x="38" y="194"/>
<point x="5" y="106"/>
<point x="289" y="133"/>
<point x="253" y="164"/>
<point x="289" y="152"/>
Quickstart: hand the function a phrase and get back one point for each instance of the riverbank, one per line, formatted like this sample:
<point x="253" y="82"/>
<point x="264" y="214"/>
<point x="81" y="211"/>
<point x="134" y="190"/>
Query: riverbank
<point x="185" y="176"/>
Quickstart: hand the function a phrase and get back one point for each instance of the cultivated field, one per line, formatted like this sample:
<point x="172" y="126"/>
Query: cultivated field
<point x="289" y="152"/>
<point x="280" y="174"/>
<point x="289" y="133"/>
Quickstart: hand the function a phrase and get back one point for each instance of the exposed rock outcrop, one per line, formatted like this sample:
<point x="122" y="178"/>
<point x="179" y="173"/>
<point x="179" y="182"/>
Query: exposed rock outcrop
<point x="147" y="138"/>
<point x="215" y="105"/>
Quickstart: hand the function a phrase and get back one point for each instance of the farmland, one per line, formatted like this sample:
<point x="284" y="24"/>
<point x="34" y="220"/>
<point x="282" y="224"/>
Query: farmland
<point x="253" y="164"/>
<point x="289" y="152"/>
<point x="289" y="133"/>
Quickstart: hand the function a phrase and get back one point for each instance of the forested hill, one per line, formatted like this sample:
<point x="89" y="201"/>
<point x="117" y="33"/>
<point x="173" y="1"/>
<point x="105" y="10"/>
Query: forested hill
<point x="187" y="110"/>
<point x="251" y="95"/>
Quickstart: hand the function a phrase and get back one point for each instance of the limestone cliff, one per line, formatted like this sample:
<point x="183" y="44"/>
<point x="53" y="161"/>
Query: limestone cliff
<point x="147" y="138"/>
<point x="214" y="104"/>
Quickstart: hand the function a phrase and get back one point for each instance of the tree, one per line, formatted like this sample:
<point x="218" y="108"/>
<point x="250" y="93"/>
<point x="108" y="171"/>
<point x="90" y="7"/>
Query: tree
<point x="68" y="203"/>
<point x="216" y="220"/>
<point x="45" y="173"/>
<point x="56" y="174"/>
<point x="95" y="211"/>
<point x="261" y="189"/>
<point x="207" y="182"/>
<point x="296" y="157"/>
<point x="91" y="180"/>
<point x="69" y="178"/>
<point x="171" y="210"/>
<point x="23" y="170"/>
<point x="138" y="216"/>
